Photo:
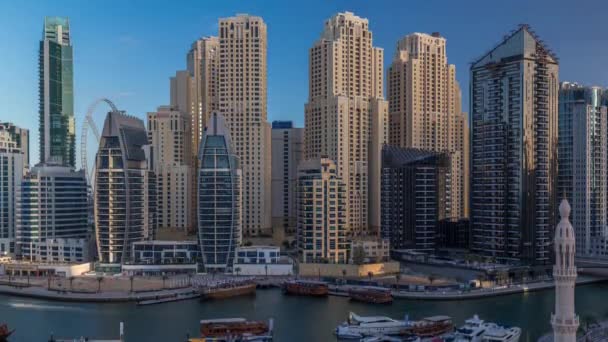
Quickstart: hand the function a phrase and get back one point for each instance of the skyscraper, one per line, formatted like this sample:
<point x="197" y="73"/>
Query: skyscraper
<point x="514" y="108"/>
<point x="13" y="164"/>
<point x="415" y="196"/>
<point x="53" y="215"/>
<point x="56" y="93"/>
<point x="242" y="101"/>
<point x="321" y="215"/>
<point x="169" y="134"/>
<point x="583" y="164"/>
<point x="287" y="153"/>
<point x="203" y="66"/>
<point x="345" y="107"/>
<point x="180" y="87"/>
<point x="125" y="188"/>
<point x="425" y="107"/>
<point x="219" y="197"/>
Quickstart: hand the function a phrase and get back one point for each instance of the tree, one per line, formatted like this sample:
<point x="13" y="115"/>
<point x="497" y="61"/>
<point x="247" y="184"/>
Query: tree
<point x="432" y="278"/>
<point x="48" y="278"/>
<point x="99" y="281"/>
<point x="237" y="270"/>
<point x="370" y="275"/>
<point x="131" y="279"/>
<point x="266" y="270"/>
<point x="343" y="276"/>
<point x="358" y="255"/>
<point x="397" y="279"/>
<point x="71" y="279"/>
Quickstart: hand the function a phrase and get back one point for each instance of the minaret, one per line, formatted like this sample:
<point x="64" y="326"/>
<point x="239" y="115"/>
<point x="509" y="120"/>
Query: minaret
<point x="564" y="320"/>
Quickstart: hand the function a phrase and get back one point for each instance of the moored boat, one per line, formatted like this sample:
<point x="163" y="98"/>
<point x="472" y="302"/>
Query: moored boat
<point x="236" y="330"/>
<point x="371" y="294"/>
<point x="357" y="327"/>
<point x="432" y="326"/>
<point x="227" y="290"/>
<point x="477" y="330"/>
<point x="306" y="288"/>
<point x="5" y="332"/>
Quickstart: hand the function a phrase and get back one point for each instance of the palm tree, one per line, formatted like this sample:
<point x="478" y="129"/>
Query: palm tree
<point x="99" y="280"/>
<point x="71" y="279"/>
<point x="28" y="278"/>
<point x="266" y="270"/>
<point x="131" y="279"/>
<point x="397" y="279"/>
<point x="343" y="276"/>
<point x="370" y="274"/>
<point x="10" y="277"/>
<point x="431" y="278"/>
<point x="48" y="278"/>
<point x="237" y="270"/>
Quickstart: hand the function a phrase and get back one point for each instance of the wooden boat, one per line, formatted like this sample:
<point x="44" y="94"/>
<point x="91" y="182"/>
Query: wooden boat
<point x="432" y="326"/>
<point x="236" y="329"/>
<point x="227" y="290"/>
<point x="371" y="294"/>
<point x="5" y="333"/>
<point x="306" y="288"/>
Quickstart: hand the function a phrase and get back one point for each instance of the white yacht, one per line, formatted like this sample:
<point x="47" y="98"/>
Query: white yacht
<point x="476" y="330"/>
<point x="497" y="333"/>
<point x="358" y="327"/>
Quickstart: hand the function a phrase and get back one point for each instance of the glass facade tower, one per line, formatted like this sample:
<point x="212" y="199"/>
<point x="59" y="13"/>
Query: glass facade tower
<point x="219" y="197"/>
<point x="56" y="93"/>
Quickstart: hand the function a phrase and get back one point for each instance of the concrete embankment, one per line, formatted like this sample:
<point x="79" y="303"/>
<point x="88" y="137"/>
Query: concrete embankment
<point x="492" y="292"/>
<point x="101" y="297"/>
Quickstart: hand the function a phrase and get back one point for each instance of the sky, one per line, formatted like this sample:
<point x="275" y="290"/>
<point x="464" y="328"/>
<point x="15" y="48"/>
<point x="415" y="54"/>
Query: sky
<point x="127" y="50"/>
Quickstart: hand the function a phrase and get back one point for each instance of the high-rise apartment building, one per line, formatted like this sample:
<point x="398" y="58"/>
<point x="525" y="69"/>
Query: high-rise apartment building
<point x="14" y="142"/>
<point x="203" y="68"/>
<point x="219" y="197"/>
<point x="242" y="100"/>
<point x="346" y="114"/>
<point x="53" y="215"/>
<point x="583" y="164"/>
<point x="425" y="107"/>
<point x="170" y="134"/>
<point x="514" y="109"/>
<point x="321" y="215"/>
<point x="415" y="196"/>
<point x="180" y="88"/>
<point x="56" y="93"/>
<point x="287" y="153"/>
<point x="125" y="188"/>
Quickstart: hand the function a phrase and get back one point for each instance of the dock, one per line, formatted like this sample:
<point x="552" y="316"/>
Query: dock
<point x="172" y="298"/>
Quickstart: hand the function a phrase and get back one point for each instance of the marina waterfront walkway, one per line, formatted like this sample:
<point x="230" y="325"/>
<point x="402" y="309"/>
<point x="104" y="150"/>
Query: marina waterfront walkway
<point x="336" y="290"/>
<point x="64" y="295"/>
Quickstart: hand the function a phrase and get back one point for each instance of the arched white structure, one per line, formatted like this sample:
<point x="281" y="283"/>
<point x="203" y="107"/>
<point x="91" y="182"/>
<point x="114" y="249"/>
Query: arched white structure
<point x="86" y="124"/>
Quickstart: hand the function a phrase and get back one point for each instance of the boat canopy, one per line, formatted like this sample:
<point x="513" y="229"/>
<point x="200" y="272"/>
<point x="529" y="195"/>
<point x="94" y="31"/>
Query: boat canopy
<point x="223" y="320"/>
<point x="369" y="319"/>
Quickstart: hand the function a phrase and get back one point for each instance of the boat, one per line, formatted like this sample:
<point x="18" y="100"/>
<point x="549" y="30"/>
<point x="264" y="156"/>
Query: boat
<point x="357" y="327"/>
<point x="477" y="330"/>
<point x="227" y="290"/>
<point x="235" y="330"/>
<point x="371" y="294"/>
<point x="306" y="288"/>
<point x="385" y="338"/>
<point x="432" y="326"/>
<point x="5" y="333"/>
<point x="497" y="333"/>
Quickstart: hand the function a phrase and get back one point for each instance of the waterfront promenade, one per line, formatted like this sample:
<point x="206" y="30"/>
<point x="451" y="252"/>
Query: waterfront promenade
<point x="178" y="287"/>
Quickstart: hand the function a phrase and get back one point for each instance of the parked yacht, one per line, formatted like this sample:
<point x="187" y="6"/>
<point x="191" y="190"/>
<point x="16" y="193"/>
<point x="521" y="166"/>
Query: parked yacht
<point x="358" y="327"/>
<point x="477" y="330"/>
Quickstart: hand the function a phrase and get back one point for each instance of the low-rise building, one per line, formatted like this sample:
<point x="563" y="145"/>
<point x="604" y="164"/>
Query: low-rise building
<point x="261" y="260"/>
<point x="165" y="252"/>
<point x="375" y="250"/>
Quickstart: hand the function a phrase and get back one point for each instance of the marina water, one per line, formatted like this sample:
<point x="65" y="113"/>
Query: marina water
<point x="297" y="319"/>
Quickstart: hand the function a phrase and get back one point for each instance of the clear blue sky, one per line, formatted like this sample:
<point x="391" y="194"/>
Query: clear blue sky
<point x="127" y="50"/>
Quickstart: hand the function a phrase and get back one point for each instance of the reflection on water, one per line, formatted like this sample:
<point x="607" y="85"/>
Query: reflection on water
<point x="297" y="319"/>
